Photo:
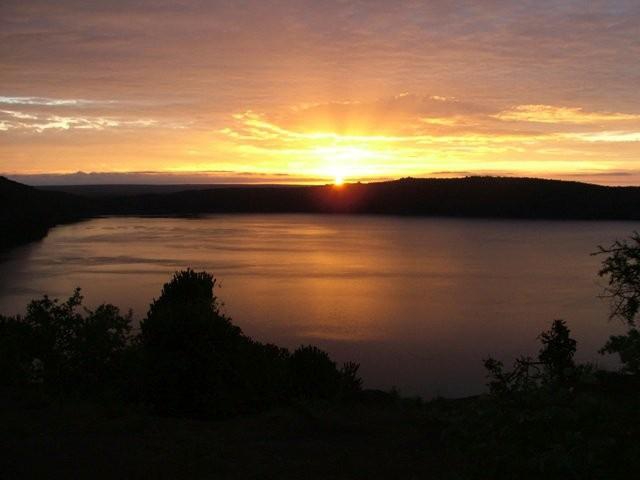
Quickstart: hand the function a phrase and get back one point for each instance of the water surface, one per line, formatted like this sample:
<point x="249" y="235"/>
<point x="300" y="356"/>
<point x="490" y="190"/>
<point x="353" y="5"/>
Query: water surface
<point x="419" y="302"/>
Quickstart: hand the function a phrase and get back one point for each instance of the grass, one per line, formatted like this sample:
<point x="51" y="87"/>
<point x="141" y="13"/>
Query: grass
<point x="45" y="438"/>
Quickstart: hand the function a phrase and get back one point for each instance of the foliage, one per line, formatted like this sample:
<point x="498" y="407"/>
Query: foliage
<point x="189" y="348"/>
<point x="313" y="373"/>
<point x="628" y="349"/>
<point x="554" y="366"/>
<point x="199" y="364"/>
<point x="188" y="360"/>
<point x="556" y="354"/>
<point x="622" y="267"/>
<point x="187" y="315"/>
<point x="545" y="418"/>
<point x="16" y="360"/>
<point x="192" y="352"/>
<point x="350" y="381"/>
<point x="584" y="435"/>
<point x="521" y="379"/>
<point x="549" y="417"/>
<point x="63" y="346"/>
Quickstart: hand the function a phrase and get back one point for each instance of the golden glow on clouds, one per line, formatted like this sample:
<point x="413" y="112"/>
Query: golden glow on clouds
<point x="551" y="114"/>
<point x="403" y="135"/>
<point x="411" y="146"/>
<point x="612" y="137"/>
<point x="56" y="122"/>
<point x="308" y="91"/>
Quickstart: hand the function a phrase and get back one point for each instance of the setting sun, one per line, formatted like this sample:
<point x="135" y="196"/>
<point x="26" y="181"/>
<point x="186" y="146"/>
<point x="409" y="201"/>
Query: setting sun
<point x="339" y="181"/>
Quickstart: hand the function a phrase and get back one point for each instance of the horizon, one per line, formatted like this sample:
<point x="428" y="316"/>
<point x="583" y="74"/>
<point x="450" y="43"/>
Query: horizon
<point x="215" y="179"/>
<point x="301" y="92"/>
<point x="142" y="179"/>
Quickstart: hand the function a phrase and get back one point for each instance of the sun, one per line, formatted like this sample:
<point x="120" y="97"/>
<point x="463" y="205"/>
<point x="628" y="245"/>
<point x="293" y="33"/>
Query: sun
<point x="341" y="164"/>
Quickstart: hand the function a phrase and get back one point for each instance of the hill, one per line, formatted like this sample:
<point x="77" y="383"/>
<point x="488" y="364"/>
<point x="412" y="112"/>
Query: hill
<point x="465" y="197"/>
<point x="27" y="213"/>
<point x="130" y="189"/>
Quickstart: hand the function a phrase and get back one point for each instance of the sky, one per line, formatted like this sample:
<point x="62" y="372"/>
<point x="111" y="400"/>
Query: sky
<point x="309" y="91"/>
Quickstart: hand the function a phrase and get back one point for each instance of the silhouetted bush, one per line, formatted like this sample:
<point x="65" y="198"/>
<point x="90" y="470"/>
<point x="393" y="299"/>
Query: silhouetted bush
<point x="545" y="418"/>
<point x="16" y="359"/>
<point x="63" y="347"/>
<point x="628" y="349"/>
<point x="188" y="360"/>
<point x="199" y="363"/>
<point x="189" y="348"/>
<point x="313" y="373"/>
<point x="351" y="382"/>
<point x="552" y="418"/>
<point x="554" y="367"/>
<point x="556" y="354"/>
<point x="622" y="269"/>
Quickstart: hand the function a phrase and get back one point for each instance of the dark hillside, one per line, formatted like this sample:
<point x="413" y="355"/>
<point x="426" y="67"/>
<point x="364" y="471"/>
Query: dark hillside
<point x="466" y="197"/>
<point x="27" y="213"/>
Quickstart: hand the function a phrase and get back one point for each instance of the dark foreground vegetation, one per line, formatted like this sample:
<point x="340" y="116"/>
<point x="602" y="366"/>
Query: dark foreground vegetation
<point x="26" y="213"/>
<point x="188" y="359"/>
<point x="190" y="396"/>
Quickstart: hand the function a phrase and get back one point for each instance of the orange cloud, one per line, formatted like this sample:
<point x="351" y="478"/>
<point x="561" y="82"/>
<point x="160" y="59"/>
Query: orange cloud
<point x="556" y="115"/>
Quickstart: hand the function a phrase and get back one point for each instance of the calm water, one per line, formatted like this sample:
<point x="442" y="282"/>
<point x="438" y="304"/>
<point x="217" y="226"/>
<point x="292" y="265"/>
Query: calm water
<point x="418" y="302"/>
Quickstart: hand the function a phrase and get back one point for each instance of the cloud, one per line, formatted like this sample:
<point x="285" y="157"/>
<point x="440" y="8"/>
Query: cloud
<point x="606" y="136"/>
<point x="602" y="174"/>
<point x="206" y="177"/>
<point x="39" y="114"/>
<point x="557" y="115"/>
<point x="399" y="120"/>
<point x="386" y="115"/>
<point x="19" y="115"/>
<point x="51" y="102"/>
<point x="34" y="123"/>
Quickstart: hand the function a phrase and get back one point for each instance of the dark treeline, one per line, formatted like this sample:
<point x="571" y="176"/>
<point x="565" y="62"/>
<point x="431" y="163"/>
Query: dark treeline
<point x="26" y="212"/>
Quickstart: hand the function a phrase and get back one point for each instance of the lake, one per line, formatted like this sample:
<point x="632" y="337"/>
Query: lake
<point x="418" y="302"/>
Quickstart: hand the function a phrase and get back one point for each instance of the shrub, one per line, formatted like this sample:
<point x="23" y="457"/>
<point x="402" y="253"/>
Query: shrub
<point x="628" y="349"/>
<point x="199" y="364"/>
<point x="554" y="366"/>
<point x="57" y="345"/>
<point x="556" y="354"/>
<point x="188" y="360"/>
<point x="192" y="352"/>
<point x="622" y="268"/>
<point x="313" y="373"/>
<point x="16" y="352"/>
